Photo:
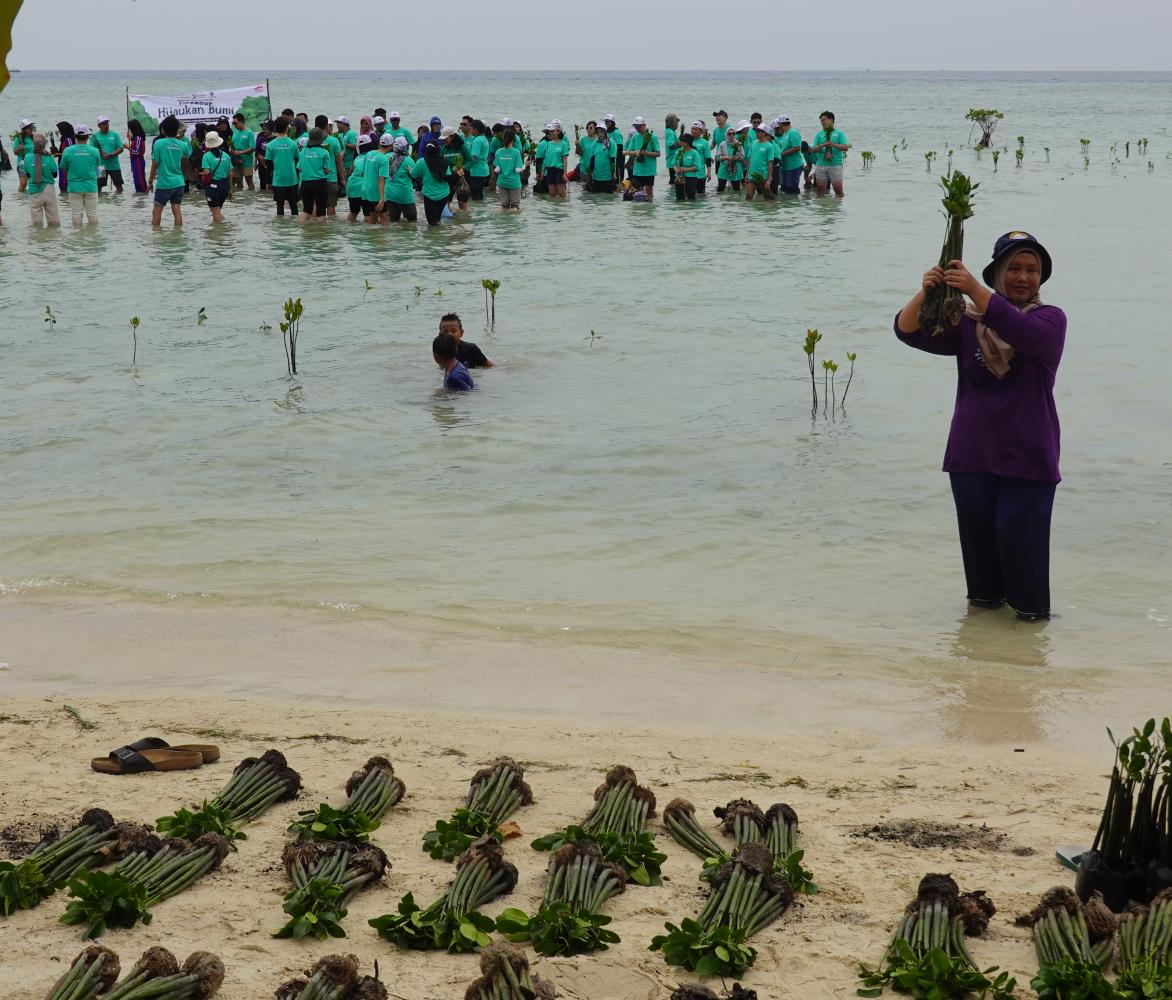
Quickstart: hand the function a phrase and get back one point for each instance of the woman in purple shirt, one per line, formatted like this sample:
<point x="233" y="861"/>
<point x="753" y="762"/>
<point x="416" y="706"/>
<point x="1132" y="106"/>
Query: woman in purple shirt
<point x="1002" y="454"/>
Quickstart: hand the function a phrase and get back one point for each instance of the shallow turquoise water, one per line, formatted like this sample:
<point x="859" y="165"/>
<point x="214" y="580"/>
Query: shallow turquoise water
<point x="663" y="484"/>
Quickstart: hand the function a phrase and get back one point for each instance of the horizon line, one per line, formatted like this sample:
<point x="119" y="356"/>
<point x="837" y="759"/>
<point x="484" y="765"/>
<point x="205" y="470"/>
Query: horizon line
<point x="600" y="72"/>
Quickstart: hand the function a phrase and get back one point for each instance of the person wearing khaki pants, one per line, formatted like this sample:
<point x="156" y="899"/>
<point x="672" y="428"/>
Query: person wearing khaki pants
<point x="80" y="163"/>
<point x="41" y="170"/>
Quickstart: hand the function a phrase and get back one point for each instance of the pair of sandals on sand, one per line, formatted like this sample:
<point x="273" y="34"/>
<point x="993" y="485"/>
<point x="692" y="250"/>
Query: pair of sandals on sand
<point x="154" y="754"/>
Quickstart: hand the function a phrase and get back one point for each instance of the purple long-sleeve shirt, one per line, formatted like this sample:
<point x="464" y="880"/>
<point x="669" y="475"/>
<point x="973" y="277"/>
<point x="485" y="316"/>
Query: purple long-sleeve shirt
<point x="1008" y="426"/>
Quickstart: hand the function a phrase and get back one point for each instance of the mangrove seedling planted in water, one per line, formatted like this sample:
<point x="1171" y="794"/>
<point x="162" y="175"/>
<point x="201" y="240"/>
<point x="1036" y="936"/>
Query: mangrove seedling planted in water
<point x="928" y="158"/>
<point x="868" y="159"/>
<point x="617" y="825"/>
<point x="504" y="975"/>
<point x="201" y="317"/>
<point x="850" y="375"/>
<point x="453" y="922"/>
<point x="986" y="120"/>
<point x="93" y="972"/>
<point x="134" y="324"/>
<point x="324" y="877"/>
<point x="158" y="976"/>
<point x="371" y="791"/>
<point x="568" y="922"/>
<point x="289" y="331"/>
<point x="490" y="286"/>
<point x="996" y="159"/>
<point x="50" y="319"/>
<point x="745" y="897"/>
<point x="49" y="866"/>
<point x="495" y="793"/>
<point x="943" y="306"/>
<point x="928" y="956"/>
<point x="812" y="338"/>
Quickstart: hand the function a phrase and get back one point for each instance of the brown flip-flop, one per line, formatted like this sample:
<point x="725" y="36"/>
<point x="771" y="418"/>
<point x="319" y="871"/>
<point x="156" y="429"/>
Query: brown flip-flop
<point x="207" y="751"/>
<point x="127" y="760"/>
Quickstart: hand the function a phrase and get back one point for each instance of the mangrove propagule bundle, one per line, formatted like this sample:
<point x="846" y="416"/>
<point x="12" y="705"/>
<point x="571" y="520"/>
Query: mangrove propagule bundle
<point x="334" y="977"/>
<point x="158" y="976"/>
<point x="943" y="307"/>
<point x="568" y="922"/>
<point x="679" y="817"/>
<point x="693" y="991"/>
<point x="929" y="949"/>
<point x="1074" y="942"/>
<point x="617" y="824"/>
<point x="153" y="871"/>
<point x="371" y="791"/>
<point x="745" y="896"/>
<point x="494" y="794"/>
<point x="48" y="866"/>
<point x="505" y="975"/>
<point x="93" y="972"/>
<point x="257" y="784"/>
<point x="453" y="922"/>
<point x="325" y="876"/>
<point x="1145" y="948"/>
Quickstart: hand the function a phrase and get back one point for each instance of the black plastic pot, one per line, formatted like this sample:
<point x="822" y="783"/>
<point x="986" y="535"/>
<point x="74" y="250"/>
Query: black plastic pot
<point x="1159" y="878"/>
<point x="1118" y="888"/>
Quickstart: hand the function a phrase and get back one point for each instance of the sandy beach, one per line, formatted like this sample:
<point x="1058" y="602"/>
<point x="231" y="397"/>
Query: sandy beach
<point x="1017" y="763"/>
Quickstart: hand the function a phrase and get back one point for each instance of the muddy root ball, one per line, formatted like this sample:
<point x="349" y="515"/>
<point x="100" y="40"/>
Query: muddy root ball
<point x="275" y="759"/>
<point x="157" y="963"/>
<point x="518" y="772"/>
<point x="1101" y="922"/>
<point x="305" y="852"/>
<point x="131" y="837"/>
<point x="1060" y="897"/>
<point x="374" y="764"/>
<point x="292" y="782"/>
<point x="209" y="970"/>
<point x="483" y="847"/>
<point x="1161" y="897"/>
<point x="109" y="967"/>
<point x="784" y="810"/>
<point x="290" y="989"/>
<point x="720" y="811"/>
<point x="219" y="844"/>
<point x="756" y="857"/>
<point x="478" y="989"/>
<point x="370" y="859"/>
<point x="99" y="819"/>
<point x="975" y="910"/>
<point x="692" y="993"/>
<point x="568" y="853"/>
<point x="935" y="887"/>
<point x="368" y="988"/>
<point x="543" y="989"/>
<point x="245" y="764"/>
<point x="619" y="872"/>
<point x="646" y="795"/>
<point x="339" y="970"/>
<point x="680" y="809"/>
<point x="620" y="774"/>
<point x="494" y="957"/>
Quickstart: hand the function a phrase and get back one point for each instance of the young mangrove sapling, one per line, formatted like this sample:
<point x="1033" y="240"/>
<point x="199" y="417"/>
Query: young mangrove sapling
<point x="812" y="338"/>
<point x="289" y="330"/>
<point x="986" y="120"/>
<point x="1074" y="943"/>
<point x="490" y="287"/>
<point x="850" y="375"/>
<point x="495" y="793"/>
<point x="56" y="859"/>
<point x="134" y="324"/>
<point x="325" y="876"/>
<point x="943" y="306"/>
<point x="371" y="791"/>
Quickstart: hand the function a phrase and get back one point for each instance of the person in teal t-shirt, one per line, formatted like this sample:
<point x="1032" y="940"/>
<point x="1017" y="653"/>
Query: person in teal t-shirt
<point x="400" y="192"/>
<point x="583" y="141"/>
<point x="603" y="168"/>
<point x="508" y="165"/>
<point x="433" y="170"/>
<point x="109" y="145"/>
<point x="242" y="153"/>
<point x="80" y="163"/>
<point x="42" y="189"/>
<point x="689" y="168"/>
<point x="315" y="164"/>
<point x="281" y="154"/>
<point x="730" y="160"/>
<point x="704" y="148"/>
<point x="555" y="156"/>
<point x="349" y="140"/>
<point x="721" y="131"/>
<point x="476" y="159"/>
<point x="642" y="152"/>
<point x="827" y="150"/>
<point x="789" y="142"/>
<point x="215" y="174"/>
<point x="761" y="157"/>
<point x="167" y="158"/>
<point x="671" y="144"/>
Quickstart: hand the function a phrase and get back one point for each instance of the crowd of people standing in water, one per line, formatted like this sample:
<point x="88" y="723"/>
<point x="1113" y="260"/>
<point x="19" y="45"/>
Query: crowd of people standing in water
<point x="381" y="170"/>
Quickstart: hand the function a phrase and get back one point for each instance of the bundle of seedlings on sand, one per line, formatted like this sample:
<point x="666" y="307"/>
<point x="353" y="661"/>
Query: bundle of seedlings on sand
<point x="568" y="921"/>
<point x="57" y="858"/>
<point x="324" y="877"/>
<point x="1074" y="942"/>
<point x="1131" y="858"/>
<point x="256" y="784"/>
<point x="152" y="871"/>
<point x="452" y="921"/>
<point x="334" y="977"/>
<point x="617" y="824"/>
<point x="370" y="792"/>
<point x="745" y="897"/>
<point x="505" y="975"/>
<point x="158" y="976"/>
<point x="93" y="972"/>
<point x="743" y="820"/>
<point x="943" y="306"/>
<point x="495" y="793"/>
<point x="928" y="957"/>
<point x="692" y="991"/>
<point x="1144" y="965"/>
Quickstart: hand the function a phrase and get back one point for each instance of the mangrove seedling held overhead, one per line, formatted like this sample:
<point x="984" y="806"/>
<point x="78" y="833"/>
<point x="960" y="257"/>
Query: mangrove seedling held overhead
<point x="943" y="307"/>
<point x="495" y="793"/>
<point x="453" y="922"/>
<point x="928" y="956"/>
<point x="617" y="824"/>
<point x="568" y="921"/>
<point x="55" y="860"/>
<point x="371" y="792"/>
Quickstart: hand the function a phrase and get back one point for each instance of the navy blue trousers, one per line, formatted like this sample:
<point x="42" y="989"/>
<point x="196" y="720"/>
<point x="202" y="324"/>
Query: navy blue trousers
<point x="1005" y="539"/>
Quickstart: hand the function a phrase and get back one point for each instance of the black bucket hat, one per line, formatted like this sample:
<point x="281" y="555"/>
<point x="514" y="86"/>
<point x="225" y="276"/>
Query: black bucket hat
<point x="1011" y="243"/>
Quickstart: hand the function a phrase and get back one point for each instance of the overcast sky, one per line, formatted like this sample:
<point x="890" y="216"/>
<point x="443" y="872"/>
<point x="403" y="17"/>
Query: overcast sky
<point x="594" y="35"/>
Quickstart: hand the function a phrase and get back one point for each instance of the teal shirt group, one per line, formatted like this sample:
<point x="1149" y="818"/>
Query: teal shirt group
<point x="217" y="163"/>
<point x="641" y="166"/>
<point x="281" y="153"/>
<point x="48" y="172"/>
<point x="836" y="155"/>
<point x="169" y="154"/>
<point x="80" y="163"/>
<point x="106" y="143"/>
<point x="508" y="159"/>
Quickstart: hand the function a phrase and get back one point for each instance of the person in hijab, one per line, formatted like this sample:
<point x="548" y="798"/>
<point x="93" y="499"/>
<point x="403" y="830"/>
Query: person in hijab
<point x="431" y="170"/>
<point x="1003" y="448"/>
<point x="137" y="148"/>
<point x="68" y="137"/>
<point x="601" y="165"/>
<point x="41" y="169"/>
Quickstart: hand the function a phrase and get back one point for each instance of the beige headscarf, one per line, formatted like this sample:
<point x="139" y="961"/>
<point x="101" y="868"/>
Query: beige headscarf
<point x="994" y="350"/>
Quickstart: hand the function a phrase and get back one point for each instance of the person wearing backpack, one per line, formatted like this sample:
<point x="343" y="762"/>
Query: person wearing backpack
<point x="216" y="171"/>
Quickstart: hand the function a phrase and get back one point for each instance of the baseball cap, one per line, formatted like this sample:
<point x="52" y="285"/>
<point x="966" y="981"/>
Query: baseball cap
<point x="388" y="140"/>
<point x="743" y="123"/>
<point x="762" y="127"/>
<point x="699" y="125"/>
<point x="343" y="120"/>
<point x="26" y="122"/>
<point x="720" y="112"/>
<point x="507" y="122"/>
<point x="608" y="117"/>
<point x="783" y="120"/>
<point x="378" y="120"/>
<point x="640" y="120"/>
<point x="394" y="115"/>
<point x="81" y="129"/>
<point x="401" y="143"/>
<point x="103" y="119"/>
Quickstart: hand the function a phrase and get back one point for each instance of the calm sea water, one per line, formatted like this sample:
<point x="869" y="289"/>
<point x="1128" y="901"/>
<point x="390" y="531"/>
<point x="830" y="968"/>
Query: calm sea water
<point x="663" y="483"/>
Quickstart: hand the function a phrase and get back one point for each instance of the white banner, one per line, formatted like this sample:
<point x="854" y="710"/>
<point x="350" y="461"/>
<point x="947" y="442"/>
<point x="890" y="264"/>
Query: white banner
<point x="252" y="102"/>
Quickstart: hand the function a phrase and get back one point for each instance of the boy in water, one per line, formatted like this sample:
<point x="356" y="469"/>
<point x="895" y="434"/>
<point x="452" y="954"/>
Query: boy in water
<point x="456" y="377"/>
<point x="468" y="354"/>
